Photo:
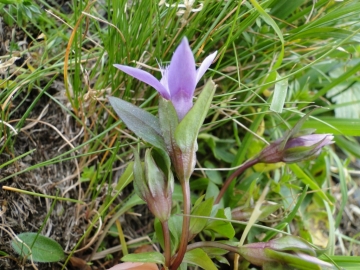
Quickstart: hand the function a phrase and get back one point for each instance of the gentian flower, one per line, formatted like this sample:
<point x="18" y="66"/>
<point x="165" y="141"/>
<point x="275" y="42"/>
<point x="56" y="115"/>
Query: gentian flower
<point x="178" y="80"/>
<point x="296" y="148"/>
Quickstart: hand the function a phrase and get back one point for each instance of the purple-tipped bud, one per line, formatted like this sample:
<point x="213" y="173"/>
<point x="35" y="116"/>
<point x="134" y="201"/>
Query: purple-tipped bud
<point x="283" y="250"/>
<point x="153" y="186"/>
<point x="295" y="149"/>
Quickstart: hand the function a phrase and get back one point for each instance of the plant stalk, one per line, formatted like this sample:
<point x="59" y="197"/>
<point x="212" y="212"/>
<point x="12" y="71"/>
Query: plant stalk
<point x="235" y="174"/>
<point x="185" y="227"/>
<point x="167" y="245"/>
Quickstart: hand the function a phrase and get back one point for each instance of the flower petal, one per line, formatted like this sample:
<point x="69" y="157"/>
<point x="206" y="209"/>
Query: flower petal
<point x="309" y="140"/>
<point x="204" y="66"/>
<point x="182" y="73"/>
<point x="182" y="104"/>
<point x="145" y="77"/>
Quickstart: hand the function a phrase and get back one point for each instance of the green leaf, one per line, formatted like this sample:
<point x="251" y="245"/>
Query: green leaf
<point x="308" y="180"/>
<point x="214" y="176"/>
<point x="279" y="95"/>
<point x="202" y="209"/>
<point x="267" y="18"/>
<point x="345" y="76"/>
<point x="336" y="126"/>
<point x="9" y="1"/>
<point x="126" y="177"/>
<point x="220" y="226"/>
<point x="142" y="123"/>
<point x="283" y="8"/>
<point x="347" y="97"/>
<point x="41" y="248"/>
<point x="151" y="257"/>
<point x="87" y="174"/>
<point x="175" y="227"/>
<point x="198" y="257"/>
<point x="140" y="186"/>
<point x="188" y="129"/>
<point x="351" y="146"/>
<point x="274" y="266"/>
<point x="290" y="216"/>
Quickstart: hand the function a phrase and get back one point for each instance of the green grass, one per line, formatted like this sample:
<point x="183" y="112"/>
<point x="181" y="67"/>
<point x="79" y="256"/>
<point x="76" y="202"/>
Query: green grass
<point x="313" y="45"/>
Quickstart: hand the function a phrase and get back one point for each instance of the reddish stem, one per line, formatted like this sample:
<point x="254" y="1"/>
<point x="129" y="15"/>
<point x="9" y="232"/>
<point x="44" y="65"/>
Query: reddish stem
<point x="185" y="227"/>
<point x="167" y="246"/>
<point x="235" y="174"/>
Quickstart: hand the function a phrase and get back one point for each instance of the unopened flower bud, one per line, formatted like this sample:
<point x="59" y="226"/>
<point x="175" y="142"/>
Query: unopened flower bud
<point x="295" y="149"/>
<point x="280" y="250"/>
<point x="153" y="186"/>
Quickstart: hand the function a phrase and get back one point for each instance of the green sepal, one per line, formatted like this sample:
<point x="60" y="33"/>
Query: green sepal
<point x="168" y="120"/>
<point x="140" y="185"/>
<point x="188" y="129"/>
<point x="295" y="131"/>
<point x="155" y="178"/>
<point x="291" y="243"/>
<point x="296" y="262"/>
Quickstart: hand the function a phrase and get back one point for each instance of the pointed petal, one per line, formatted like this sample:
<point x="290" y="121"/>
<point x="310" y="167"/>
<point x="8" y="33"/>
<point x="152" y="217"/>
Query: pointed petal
<point x="204" y="66"/>
<point x="145" y="77"/>
<point x="182" y="73"/>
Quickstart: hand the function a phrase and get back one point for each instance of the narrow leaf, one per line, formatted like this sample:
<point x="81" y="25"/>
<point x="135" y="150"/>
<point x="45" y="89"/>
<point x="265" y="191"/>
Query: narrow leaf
<point x="279" y="96"/>
<point x="307" y="180"/>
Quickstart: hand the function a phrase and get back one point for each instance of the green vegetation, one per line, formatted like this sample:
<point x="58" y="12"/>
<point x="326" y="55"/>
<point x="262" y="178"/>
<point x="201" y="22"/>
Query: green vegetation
<point x="61" y="142"/>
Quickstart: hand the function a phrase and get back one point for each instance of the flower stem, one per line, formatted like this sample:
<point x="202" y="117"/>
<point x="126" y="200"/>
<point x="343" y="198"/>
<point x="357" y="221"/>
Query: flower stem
<point x="167" y="246"/>
<point x="185" y="227"/>
<point x="235" y="174"/>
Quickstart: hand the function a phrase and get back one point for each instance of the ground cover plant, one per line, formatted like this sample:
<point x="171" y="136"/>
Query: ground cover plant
<point x="179" y="134"/>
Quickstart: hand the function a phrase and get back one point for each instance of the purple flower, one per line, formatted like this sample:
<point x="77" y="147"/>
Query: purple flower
<point x="296" y="148"/>
<point x="178" y="80"/>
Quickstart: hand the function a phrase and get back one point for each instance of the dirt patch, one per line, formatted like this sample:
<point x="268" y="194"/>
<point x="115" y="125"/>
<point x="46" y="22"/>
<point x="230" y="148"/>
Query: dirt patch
<point x="41" y="138"/>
